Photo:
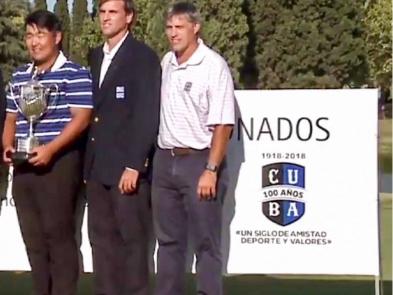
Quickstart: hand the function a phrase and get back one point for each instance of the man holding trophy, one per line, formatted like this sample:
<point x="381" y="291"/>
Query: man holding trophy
<point x="3" y="168"/>
<point x="49" y="106"/>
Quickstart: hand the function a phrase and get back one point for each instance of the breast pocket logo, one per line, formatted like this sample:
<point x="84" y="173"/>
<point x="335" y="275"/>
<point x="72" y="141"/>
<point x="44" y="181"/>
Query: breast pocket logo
<point x="283" y="187"/>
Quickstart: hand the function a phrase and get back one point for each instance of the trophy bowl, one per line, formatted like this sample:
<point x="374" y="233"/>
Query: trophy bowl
<point x="33" y="100"/>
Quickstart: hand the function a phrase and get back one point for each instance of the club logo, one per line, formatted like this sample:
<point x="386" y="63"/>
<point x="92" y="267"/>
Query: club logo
<point x="187" y="86"/>
<point x="283" y="186"/>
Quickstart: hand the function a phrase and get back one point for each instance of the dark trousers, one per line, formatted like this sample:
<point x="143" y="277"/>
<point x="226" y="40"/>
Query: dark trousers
<point x="119" y="227"/>
<point x="45" y="201"/>
<point x="177" y="212"/>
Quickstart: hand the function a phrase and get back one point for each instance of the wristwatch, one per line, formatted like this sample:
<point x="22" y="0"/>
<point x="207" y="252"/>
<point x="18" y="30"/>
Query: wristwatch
<point x="211" y="167"/>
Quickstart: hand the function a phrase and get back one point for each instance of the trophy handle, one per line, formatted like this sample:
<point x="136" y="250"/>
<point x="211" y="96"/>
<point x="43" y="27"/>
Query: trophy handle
<point x="54" y="88"/>
<point x="12" y="94"/>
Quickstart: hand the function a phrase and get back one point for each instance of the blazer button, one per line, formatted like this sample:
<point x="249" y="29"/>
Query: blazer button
<point x="96" y="119"/>
<point x="92" y="139"/>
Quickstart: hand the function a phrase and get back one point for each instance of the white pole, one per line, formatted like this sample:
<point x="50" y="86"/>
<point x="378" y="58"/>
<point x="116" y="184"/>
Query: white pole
<point x="378" y="285"/>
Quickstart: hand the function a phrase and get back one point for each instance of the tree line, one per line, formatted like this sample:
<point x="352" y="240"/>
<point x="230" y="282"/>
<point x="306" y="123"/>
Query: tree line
<point x="269" y="44"/>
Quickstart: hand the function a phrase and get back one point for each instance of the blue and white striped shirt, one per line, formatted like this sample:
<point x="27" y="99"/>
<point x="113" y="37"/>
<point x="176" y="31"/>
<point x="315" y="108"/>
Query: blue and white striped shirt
<point x="75" y="91"/>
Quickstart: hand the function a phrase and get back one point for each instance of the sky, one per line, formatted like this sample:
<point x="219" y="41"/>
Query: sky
<point x="51" y="4"/>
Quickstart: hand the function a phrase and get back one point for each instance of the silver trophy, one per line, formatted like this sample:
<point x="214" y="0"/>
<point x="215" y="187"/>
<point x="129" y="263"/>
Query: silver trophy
<point x="32" y="101"/>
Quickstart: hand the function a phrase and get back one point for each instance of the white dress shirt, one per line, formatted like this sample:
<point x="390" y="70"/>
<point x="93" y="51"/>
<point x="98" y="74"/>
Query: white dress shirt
<point x="108" y="57"/>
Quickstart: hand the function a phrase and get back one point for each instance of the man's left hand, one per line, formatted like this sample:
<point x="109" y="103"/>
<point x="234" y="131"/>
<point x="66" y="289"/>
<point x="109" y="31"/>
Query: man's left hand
<point x="43" y="154"/>
<point x="128" y="181"/>
<point x="207" y="185"/>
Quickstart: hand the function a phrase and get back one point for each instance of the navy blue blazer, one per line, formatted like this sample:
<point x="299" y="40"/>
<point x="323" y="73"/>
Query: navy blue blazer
<point x="125" y="119"/>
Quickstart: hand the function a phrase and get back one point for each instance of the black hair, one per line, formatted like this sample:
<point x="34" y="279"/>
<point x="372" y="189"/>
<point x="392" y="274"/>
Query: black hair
<point x="44" y="19"/>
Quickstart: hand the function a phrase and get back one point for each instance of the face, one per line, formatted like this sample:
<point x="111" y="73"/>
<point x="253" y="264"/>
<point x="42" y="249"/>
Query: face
<point x="113" y="18"/>
<point x="182" y="34"/>
<point x="41" y="43"/>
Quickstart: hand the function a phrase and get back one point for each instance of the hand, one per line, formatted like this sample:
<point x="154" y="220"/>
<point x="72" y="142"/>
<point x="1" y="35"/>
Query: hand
<point x="207" y="185"/>
<point x="128" y="181"/>
<point x="8" y="151"/>
<point x="43" y="154"/>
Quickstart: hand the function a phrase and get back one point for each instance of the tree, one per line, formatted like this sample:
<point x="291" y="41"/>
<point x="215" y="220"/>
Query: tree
<point x="224" y="28"/>
<point x="150" y="25"/>
<point x="61" y="10"/>
<point x="143" y="18"/>
<point x="95" y="7"/>
<point x="309" y="43"/>
<point x="40" y="5"/>
<point x="79" y="14"/>
<point x="249" y="71"/>
<point x="88" y="38"/>
<point x="89" y="35"/>
<point x="12" y="48"/>
<point x="379" y="43"/>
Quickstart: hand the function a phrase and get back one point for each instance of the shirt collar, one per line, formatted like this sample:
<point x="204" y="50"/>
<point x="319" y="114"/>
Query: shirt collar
<point x="115" y="49"/>
<point x="60" y="61"/>
<point x="195" y="59"/>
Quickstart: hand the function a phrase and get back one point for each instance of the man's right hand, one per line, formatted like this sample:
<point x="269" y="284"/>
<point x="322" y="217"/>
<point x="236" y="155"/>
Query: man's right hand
<point x="8" y="151"/>
<point x="128" y="181"/>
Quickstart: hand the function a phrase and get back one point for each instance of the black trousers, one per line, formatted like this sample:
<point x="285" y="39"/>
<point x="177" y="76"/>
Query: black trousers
<point x="177" y="214"/>
<point x="45" y="201"/>
<point x="119" y="227"/>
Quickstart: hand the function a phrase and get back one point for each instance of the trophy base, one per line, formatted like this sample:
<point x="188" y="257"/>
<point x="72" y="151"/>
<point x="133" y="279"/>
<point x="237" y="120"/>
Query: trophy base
<point x="23" y="147"/>
<point x="21" y="157"/>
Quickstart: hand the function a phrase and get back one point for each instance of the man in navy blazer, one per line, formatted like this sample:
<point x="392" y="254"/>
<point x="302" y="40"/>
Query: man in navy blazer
<point x="126" y="93"/>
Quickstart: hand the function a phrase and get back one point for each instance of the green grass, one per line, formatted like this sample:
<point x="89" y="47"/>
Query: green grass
<point x="385" y="131"/>
<point x="20" y="283"/>
<point x="386" y="235"/>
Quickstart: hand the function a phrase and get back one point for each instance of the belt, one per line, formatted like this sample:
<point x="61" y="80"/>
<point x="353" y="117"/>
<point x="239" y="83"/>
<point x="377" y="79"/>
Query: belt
<point x="177" y="151"/>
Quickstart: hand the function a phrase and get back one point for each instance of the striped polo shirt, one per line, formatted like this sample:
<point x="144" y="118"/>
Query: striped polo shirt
<point x="74" y="91"/>
<point x="195" y="96"/>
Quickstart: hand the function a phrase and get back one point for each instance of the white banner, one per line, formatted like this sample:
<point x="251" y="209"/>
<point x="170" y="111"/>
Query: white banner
<point x="303" y="191"/>
<point x="306" y="196"/>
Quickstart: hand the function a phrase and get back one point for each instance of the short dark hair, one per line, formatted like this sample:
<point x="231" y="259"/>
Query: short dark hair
<point x="129" y="7"/>
<point x="44" y="19"/>
<point x="186" y="8"/>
